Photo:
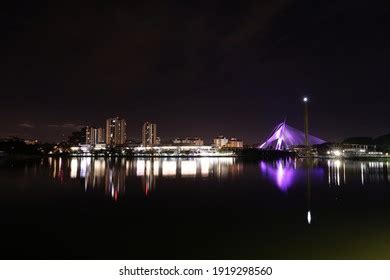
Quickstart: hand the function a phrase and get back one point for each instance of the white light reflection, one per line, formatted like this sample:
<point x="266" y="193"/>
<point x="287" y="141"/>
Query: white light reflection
<point x="140" y="167"/>
<point x="156" y="167"/>
<point x="73" y="168"/>
<point x="337" y="164"/>
<point x="169" y="168"/>
<point x="205" y="166"/>
<point x="84" y="165"/>
<point x="148" y="167"/>
<point x="334" y="172"/>
<point x="55" y="169"/>
<point x="188" y="168"/>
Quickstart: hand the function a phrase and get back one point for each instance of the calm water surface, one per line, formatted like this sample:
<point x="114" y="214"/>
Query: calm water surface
<point x="199" y="208"/>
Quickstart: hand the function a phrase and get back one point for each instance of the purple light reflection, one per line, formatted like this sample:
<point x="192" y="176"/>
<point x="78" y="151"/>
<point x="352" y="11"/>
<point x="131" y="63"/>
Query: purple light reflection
<point x="279" y="172"/>
<point x="285" y="173"/>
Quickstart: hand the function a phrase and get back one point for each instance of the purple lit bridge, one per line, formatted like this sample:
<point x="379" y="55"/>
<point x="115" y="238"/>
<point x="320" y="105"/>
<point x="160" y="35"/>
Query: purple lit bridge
<point x="284" y="137"/>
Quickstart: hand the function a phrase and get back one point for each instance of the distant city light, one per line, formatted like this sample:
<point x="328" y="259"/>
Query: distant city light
<point x="337" y="153"/>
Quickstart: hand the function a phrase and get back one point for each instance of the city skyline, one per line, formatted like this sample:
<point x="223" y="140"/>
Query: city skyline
<point x="160" y="131"/>
<point x="100" y="135"/>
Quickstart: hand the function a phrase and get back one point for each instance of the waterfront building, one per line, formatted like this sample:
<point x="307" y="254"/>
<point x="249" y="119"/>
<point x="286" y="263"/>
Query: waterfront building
<point x="149" y="134"/>
<point x="220" y="141"/>
<point x="115" y="131"/>
<point x="100" y="147"/>
<point x="81" y="149"/>
<point x="189" y="141"/>
<point x="235" y="143"/>
<point x="131" y="143"/>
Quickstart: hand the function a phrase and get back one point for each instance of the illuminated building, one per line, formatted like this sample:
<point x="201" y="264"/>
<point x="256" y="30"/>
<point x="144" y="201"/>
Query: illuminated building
<point x="94" y="135"/>
<point x="195" y="141"/>
<point x="149" y="134"/>
<point x="234" y="143"/>
<point x="220" y="141"/>
<point x="101" y="135"/>
<point x="90" y="135"/>
<point x="115" y="131"/>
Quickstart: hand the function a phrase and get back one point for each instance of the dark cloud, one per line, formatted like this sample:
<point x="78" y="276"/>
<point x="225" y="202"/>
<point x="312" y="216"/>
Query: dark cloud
<point x="66" y="125"/>
<point x="26" y="125"/>
<point x="196" y="68"/>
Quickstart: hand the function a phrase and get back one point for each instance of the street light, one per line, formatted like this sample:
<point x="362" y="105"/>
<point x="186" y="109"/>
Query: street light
<point x="306" y="100"/>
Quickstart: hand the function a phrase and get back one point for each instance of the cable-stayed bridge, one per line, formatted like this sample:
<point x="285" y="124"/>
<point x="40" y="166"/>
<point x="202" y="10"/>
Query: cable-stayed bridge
<point x="284" y="137"/>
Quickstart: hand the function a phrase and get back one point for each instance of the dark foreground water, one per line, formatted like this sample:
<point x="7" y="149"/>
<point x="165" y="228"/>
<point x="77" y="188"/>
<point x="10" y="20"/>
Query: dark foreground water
<point x="199" y="208"/>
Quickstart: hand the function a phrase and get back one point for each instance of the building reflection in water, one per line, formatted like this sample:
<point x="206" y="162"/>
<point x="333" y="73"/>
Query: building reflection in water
<point x="367" y="171"/>
<point x="153" y="168"/>
<point x="111" y="174"/>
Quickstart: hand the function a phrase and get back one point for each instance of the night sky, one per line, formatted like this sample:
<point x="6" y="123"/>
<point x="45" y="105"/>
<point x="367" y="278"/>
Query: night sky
<point x="196" y="68"/>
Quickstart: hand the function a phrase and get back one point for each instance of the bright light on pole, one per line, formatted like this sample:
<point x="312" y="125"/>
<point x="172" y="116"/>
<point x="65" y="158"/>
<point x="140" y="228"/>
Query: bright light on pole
<point x="306" y="100"/>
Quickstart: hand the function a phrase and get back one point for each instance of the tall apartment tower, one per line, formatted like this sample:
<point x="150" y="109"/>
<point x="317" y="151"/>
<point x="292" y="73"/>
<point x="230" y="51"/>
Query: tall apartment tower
<point x="115" y="131"/>
<point x="90" y="135"/>
<point x="101" y="135"/>
<point x="149" y="134"/>
<point x="94" y="135"/>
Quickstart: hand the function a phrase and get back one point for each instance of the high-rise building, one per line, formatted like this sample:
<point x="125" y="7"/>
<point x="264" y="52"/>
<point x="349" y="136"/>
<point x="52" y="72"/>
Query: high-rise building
<point x="94" y="135"/>
<point x="101" y="135"/>
<point x="149" y="134"/>
<point x="90" y="135"/>
<point x="115" y="131"/>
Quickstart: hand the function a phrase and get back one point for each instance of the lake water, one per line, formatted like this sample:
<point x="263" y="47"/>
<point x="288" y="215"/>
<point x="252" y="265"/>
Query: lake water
<point x="201" y="208"/>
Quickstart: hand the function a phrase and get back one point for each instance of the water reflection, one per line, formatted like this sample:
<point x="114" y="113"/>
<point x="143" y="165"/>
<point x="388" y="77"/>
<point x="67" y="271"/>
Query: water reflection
<point x="284" y="173"/>
<point x="112" y="173"/>
<point x="368" y="172"/>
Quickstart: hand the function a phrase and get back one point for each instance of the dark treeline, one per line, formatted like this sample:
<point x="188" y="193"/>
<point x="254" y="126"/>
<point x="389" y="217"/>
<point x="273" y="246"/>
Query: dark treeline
<point x="16" y="146"/>
<point x="382" y="143"/>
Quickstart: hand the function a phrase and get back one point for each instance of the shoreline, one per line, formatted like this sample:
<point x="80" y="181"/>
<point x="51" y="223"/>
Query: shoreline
<point x="251" y="156"/>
